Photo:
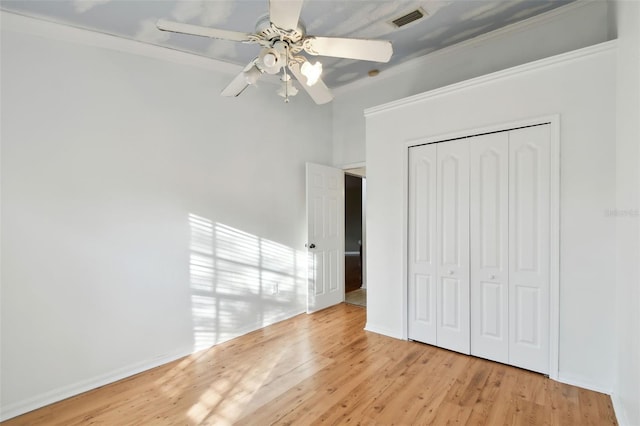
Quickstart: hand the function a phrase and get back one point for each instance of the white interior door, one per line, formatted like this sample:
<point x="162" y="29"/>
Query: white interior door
<point x="325" y="236"/>
<point x="529" y="244"/>
<point x="489" y="254"/>
<point x="452" y="199"/>
<point x="422" y="244"/>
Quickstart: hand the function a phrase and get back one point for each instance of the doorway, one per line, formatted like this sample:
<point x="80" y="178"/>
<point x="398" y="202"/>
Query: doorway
<point x="354" y="270"/>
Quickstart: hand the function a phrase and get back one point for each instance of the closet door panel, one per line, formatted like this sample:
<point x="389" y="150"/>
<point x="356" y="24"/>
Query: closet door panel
<point x="453" y="245"/>
<point x="422" y="244"/>
<point x="529" y="248"/>
<point x="489" y="252"/>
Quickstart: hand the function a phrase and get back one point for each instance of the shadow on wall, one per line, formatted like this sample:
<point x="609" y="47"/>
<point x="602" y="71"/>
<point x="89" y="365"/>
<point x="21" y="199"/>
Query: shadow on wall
<point x="240" y="282"/>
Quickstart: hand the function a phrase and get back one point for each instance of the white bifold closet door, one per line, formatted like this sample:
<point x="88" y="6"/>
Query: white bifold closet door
<point x="529" y="247"/>
<point x="479" y="246"/>
<point x="452" y="252"/>
<point x="438" y="267"/>
<point x="422" y="266"/>
<point x="489" y="213"/>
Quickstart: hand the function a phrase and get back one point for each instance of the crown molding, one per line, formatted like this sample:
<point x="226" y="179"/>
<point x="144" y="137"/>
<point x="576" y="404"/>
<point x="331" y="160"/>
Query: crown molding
<point x="17" y="23"/>
<point x="474" y="82"/>
<point x="504" y="32"/>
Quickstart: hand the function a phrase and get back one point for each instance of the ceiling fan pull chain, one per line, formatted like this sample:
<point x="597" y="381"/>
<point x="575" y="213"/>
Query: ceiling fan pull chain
<point x="286" y="84"/>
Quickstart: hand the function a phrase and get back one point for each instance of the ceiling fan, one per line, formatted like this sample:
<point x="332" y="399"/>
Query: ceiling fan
<point x="283" y="37"/>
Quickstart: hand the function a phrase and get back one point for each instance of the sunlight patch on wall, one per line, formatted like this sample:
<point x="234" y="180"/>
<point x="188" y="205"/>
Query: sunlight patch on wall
<point x="239" y="281"/>
<point x="201" y="273"/>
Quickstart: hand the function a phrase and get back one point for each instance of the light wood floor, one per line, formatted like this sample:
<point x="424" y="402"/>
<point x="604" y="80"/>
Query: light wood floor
<point x="323" y="368"/>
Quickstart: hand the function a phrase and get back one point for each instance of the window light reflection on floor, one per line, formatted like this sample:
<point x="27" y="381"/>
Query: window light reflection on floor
<point x="238" y="282"/>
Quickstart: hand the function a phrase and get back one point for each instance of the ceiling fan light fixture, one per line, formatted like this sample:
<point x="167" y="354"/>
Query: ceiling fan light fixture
<point x="282" y="36"/>
<point x="286" y="87"/>
<point x="270" y="60"/>
<point x="252" y="75"/>
<point x="312" y="72"/>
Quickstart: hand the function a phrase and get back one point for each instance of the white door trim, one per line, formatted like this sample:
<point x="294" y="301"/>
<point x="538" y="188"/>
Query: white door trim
<point x="554" y="231"/>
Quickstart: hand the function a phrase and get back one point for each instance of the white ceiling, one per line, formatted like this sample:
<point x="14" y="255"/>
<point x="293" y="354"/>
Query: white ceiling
<point x="448" y="22"/>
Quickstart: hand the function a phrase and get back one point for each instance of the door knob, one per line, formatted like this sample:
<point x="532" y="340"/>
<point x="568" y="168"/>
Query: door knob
<point x="492" y="277"/>
<point x="450" y="272"/>
<point x="312" y="245"/>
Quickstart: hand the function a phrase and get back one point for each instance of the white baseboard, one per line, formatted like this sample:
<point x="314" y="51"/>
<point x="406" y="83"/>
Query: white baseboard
<point x="64" y="392"/>
<point x="381" y="330"/>
<point x="274" y="320"/>
<point x="55" y="395"/>
<point x="583" y="384"/>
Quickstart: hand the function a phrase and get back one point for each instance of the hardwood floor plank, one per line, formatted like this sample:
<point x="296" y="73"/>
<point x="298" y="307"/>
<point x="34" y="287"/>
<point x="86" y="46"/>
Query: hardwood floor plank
<point x="325" y="369"/>
<point x="317" y="403"/>
<point x="488" y="396"/>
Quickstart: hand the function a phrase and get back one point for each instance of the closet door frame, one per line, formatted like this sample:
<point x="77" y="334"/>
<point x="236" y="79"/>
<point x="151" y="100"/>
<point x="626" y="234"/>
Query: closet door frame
<point x="468" y="131"/>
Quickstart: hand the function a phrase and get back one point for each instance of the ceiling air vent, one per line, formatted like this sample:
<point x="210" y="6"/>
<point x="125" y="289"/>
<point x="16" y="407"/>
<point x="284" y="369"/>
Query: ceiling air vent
<point x="409" y="18"/>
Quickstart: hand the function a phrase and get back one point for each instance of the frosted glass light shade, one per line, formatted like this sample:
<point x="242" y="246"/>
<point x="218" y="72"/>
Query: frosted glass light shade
<point x="312" y="72"/>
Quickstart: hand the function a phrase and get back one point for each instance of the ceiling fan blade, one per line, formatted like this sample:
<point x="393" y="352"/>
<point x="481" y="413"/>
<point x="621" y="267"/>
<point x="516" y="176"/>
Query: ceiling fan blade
<point x="319" y="92"/>
<point x="285" y="14"/>
<point x="236" y="87"/>
<point x="179" y="27"/>
<point x="351" y="48"/>
<point x="240" y="82"/>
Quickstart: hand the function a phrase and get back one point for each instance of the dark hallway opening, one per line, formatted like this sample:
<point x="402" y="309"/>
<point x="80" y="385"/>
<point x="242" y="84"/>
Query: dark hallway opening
<point x="353" y="233"/>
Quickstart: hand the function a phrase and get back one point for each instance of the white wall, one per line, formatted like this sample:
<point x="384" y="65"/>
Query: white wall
<point x="578" y="25"/>
<point x="581" y="88"/>
<point x="143" y="216"/>
<point x="626" y="391"/>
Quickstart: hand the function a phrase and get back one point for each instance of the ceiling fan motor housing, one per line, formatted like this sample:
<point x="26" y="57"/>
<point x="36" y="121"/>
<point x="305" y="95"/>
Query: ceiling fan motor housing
<point x="270" y="32"/>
